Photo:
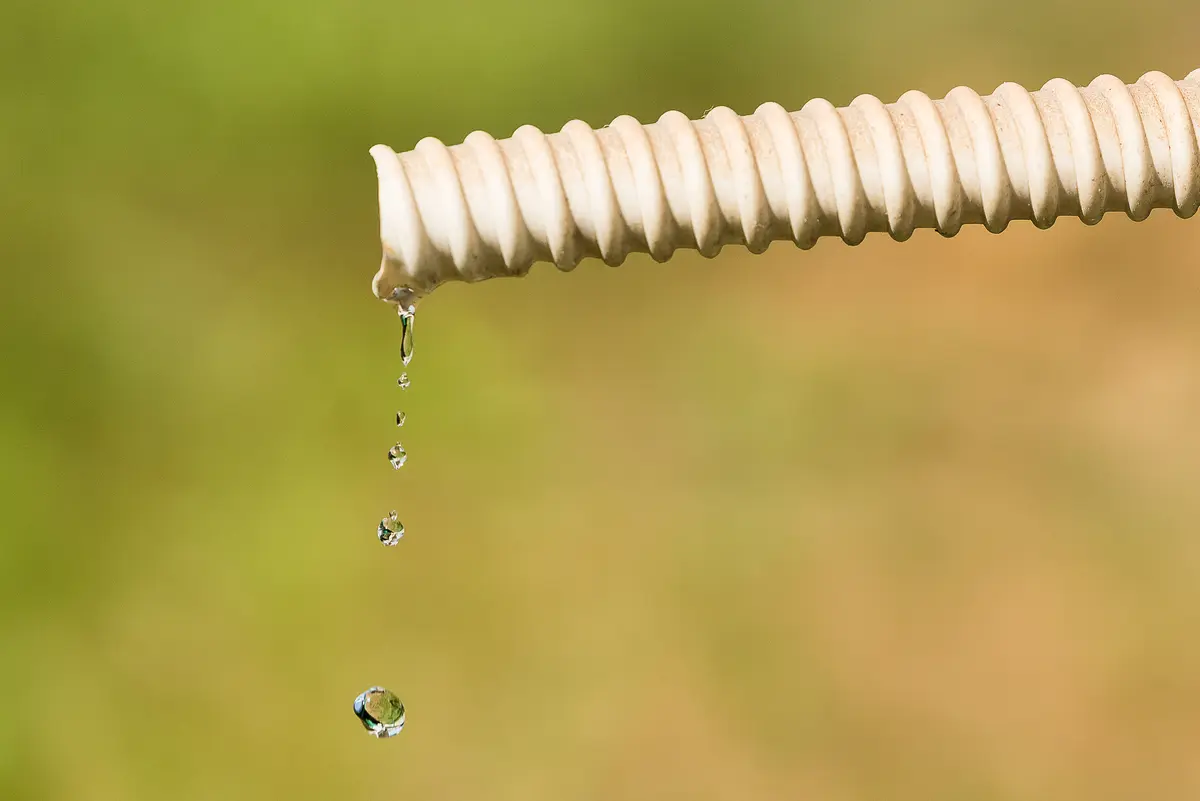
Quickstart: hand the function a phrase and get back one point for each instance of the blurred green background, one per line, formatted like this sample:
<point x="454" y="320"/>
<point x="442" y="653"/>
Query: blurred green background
<point x="899" y="522"/>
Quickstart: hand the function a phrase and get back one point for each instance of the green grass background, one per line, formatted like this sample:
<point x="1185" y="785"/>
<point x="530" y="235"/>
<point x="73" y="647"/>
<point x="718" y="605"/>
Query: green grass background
<point x="895" y="523"/>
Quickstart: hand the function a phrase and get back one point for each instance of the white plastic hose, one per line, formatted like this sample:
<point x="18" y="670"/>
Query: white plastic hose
<point x="490" y="208"/>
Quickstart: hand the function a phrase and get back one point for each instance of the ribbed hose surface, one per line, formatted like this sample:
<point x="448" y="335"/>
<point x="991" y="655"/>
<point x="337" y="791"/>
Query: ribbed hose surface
<point x="490" y="208"/>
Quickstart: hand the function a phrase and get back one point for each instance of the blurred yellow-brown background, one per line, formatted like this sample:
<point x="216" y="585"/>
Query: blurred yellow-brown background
<point x="894" y="523"/>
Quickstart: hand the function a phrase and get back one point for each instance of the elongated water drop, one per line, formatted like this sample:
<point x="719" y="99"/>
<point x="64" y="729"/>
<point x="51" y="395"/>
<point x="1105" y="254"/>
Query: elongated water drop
<point x="403" y="381"/>
<point x="397" y="456"/>
<point x="400" y="418"/>
<point x="381" y="712"/>
<point x="407" y="317"/>
<point x="390" y="529"/>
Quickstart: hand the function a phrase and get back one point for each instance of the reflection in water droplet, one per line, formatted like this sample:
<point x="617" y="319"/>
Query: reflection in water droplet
<point x="381" y="712"/>
<point x="407" y="318"/>
<point x="403" y="381"/>
<point x="397" y="456"/>
<point x="400" y="418"/>
<point x="390" y="529"/>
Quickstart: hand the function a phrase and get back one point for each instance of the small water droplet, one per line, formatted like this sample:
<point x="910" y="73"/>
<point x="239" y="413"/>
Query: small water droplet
<point x="407" y="318"/>
<point x="397" y="456"/>
<point x="381" y="712"/>
<point x="400" y="418"/>
<point x="403" y="381"/>
<point x="390" y="529"/>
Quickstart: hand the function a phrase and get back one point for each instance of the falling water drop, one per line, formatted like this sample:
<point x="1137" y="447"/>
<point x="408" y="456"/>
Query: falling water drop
<point x="390" y="529"/>
<point x="381" y="712"/>
<point x="397" y="456"/>
<point x="407" y="318"/>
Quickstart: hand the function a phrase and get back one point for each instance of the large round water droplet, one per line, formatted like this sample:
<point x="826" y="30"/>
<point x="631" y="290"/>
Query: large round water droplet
<point x="390" y="529"/>
<point x="381" y="712"/>
<point x="397" y="456"/>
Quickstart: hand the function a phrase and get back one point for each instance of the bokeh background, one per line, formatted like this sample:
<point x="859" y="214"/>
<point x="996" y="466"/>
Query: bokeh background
<point x="891" y="523"/>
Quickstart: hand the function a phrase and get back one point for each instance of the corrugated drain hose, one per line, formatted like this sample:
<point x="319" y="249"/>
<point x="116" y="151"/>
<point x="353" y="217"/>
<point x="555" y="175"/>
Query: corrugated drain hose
<point x="489" y="208"/>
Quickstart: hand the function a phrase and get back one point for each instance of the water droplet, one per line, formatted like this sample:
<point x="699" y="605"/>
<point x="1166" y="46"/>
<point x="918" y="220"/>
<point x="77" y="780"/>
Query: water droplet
<point x="403" y="381"/>
<point x="400" y="418"/>
<point x="404" y="297"/>
<point x="381" y="712"/>
<point x="397" y="456"/>
<point x="390" y="529"/>
<point x="407" y="318"/>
